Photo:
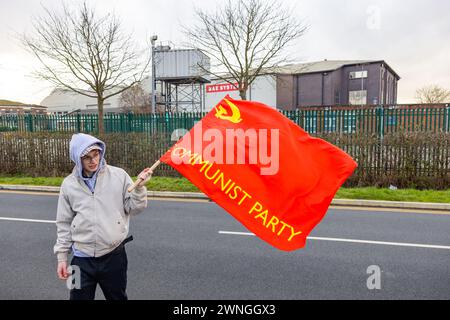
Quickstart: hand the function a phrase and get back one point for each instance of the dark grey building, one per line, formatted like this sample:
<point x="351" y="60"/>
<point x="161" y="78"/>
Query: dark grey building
<point x="327" y="83"/>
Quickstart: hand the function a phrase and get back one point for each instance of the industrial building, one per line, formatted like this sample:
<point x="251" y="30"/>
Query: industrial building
<point x="17" y="108"/>
<point x="322" y="83"/>
<point x="181" y="83"/>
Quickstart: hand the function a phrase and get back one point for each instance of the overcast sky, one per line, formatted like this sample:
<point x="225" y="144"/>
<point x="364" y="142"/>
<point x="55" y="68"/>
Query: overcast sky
<point x="412" y="36"/>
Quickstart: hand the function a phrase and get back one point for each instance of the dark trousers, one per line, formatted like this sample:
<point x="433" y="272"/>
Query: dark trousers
<point x="108" y="271"/>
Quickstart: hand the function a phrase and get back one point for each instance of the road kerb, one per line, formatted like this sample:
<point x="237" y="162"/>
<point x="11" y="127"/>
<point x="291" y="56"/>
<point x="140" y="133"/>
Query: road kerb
<point x="199" y="195"/>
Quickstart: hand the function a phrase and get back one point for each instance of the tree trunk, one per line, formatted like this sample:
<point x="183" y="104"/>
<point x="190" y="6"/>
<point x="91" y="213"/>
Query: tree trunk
<point x="243" y="94"/>
<point x="101" y="130"/>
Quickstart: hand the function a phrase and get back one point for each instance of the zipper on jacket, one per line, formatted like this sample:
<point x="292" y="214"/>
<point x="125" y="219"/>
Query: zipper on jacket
<point x="95" y="225"/>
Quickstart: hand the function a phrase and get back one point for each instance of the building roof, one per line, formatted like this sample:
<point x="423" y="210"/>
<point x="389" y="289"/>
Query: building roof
<point x="8" y="103"/>
<point x="322" y="66"/>
<point x="315" y="67"/>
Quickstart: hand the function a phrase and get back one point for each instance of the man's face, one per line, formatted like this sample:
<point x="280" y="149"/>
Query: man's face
<point x="90" y="161"/>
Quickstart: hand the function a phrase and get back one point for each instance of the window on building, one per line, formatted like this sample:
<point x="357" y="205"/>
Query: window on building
<point x="357" y="97"/>
<point x="358" y="74"/>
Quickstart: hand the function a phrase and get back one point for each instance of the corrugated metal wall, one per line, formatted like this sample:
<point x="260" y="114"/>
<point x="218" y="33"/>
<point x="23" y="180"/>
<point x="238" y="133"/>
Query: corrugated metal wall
<point x="176" y="64"/>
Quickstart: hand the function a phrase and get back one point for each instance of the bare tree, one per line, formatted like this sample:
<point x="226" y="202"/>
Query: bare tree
<point x="245" y="37"/>
<point x="85" y="53"/>
<point x="432" y="94"/>
<point x="136" y="100"/>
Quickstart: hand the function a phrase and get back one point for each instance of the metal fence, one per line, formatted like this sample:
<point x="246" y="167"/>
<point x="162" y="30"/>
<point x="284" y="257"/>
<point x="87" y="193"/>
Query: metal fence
<point x="408" y="146"/>
<point x="344" y="120"/>
<point x="88" y="123"/>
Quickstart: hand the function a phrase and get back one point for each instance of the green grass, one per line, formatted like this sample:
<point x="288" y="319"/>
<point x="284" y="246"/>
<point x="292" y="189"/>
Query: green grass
<point x="171" y="184"/>
<point x="407" y="195"/>
<point x="183" y="185"/>
<point x="39" y="181"/>
<point x="155" y="184"/>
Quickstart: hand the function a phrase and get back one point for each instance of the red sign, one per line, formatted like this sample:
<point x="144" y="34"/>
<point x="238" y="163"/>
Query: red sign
<point x="222" y="87"/>
<point x="263" y="169"/>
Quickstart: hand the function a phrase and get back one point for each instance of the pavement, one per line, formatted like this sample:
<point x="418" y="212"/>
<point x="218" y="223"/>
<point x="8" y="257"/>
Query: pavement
<point x="197" y="195"/>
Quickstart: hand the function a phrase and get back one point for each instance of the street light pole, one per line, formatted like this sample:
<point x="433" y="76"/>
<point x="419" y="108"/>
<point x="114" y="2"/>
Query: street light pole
<point x="154" y="38"/>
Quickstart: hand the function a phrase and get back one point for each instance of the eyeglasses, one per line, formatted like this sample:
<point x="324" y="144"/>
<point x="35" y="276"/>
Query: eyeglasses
<point x="89" y="158"/>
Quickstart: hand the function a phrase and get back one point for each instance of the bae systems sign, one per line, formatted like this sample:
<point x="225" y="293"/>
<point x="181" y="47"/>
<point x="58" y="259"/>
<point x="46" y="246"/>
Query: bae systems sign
<point x="221" y="87"/>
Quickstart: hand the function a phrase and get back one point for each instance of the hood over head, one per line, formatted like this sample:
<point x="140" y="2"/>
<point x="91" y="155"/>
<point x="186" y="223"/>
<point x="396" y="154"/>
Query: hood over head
<point x="79" y="143"/>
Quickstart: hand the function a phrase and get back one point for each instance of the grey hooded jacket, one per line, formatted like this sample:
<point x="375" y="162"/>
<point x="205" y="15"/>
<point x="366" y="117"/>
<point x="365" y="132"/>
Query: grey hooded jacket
<point x="95" y="222"/>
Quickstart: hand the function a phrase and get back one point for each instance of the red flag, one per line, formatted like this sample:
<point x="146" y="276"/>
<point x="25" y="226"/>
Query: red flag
<point x="263" y="169"/>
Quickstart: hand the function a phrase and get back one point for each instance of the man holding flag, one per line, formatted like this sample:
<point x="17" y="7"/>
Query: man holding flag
<point x="92" y="220"/>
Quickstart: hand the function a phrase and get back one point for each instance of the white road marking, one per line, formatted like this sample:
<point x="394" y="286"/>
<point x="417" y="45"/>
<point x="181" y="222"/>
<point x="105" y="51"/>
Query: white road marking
<point x="27" y="220"/>
<point x="399" y="244"/>
<point x="388" y="210"/>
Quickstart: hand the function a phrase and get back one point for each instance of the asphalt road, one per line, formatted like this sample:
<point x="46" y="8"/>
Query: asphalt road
<point x="191" y="250"/>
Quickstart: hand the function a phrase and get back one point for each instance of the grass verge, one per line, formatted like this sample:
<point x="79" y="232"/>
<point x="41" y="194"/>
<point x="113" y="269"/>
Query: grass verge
<point x="184" y="185"/>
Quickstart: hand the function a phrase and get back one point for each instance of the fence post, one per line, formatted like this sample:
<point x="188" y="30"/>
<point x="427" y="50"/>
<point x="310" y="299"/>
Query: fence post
<point x="447" y="118"/>
<point x="78" y="122"/>
<point x="380" y="125"/>
<point x="130" y="122"/>
<point x="30" y="122"/>
<point x="380" y="121"/>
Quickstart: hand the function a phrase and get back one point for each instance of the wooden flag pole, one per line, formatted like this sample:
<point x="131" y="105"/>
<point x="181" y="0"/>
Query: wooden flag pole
<point x="139" y="180"/>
